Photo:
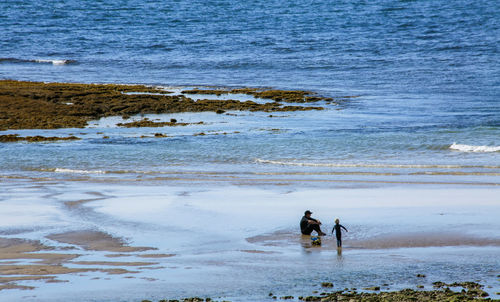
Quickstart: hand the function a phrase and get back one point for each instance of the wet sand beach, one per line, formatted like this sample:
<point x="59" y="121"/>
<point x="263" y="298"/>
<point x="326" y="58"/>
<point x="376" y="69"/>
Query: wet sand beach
<point x="155" y="242"/>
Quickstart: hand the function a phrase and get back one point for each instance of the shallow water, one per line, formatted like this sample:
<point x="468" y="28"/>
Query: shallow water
<point x="310" y="146"/>
<point x="241" y="243"/>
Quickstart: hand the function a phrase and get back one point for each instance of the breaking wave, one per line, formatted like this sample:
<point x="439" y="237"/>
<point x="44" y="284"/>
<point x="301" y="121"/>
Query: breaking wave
<point x="471" y="148"/>
<point x="365" y="165"/>
<point x="42" y="61"/>
<point x="62" y="170"/>
<point x="55" y="62"/>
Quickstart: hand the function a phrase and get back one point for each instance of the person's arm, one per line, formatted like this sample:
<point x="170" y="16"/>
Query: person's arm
<point x="344" y="228"/>
<point x="311" y="220"/>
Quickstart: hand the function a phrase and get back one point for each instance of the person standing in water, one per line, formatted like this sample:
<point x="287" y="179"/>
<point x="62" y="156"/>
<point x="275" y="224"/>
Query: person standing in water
<point x="338" y="232"/>
<point x="309" y="224"/>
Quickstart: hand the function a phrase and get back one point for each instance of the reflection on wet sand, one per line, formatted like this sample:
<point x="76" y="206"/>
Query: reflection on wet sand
<point x="149" y="217"/>
<point x="387" y="241"/>
<point x="339" y="253"/>
<point x="426" y="239"/>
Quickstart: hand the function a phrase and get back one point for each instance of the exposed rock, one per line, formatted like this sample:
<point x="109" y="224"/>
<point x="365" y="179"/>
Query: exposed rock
<point x="326" y="284"/>
<point x="405" y="295"/>
<point x="12" y="138"/>
<point x="36" y="105"/>
<point x="149" y="123"/>
<point x="372" y="288"/>
<point x="289" y="96"/>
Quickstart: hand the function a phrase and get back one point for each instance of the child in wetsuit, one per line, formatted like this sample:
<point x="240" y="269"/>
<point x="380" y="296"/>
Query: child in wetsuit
<point x="338" y="232"/>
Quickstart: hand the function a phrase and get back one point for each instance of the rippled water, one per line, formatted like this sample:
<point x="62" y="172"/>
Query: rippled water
<point x="308" y="147"/>
<point x="377" y="46"/>
<point x="426" y="73"/>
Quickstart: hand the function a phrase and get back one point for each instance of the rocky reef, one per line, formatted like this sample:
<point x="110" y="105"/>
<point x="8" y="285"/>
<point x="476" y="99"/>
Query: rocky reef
<point x="12" y="138"/>
<point x="149" y="123"/>
<point x="288" y="96"/>
<point x="36" y="105"/>
<point x="463" y="291"/>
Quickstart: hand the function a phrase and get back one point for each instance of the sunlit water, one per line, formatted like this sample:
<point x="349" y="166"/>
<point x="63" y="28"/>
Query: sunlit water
<point x="426" y="77"/>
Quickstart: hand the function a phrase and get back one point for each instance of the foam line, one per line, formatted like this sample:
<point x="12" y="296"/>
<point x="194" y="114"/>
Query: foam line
<point x="362" y="165"/>
<point x="472" y="148"/>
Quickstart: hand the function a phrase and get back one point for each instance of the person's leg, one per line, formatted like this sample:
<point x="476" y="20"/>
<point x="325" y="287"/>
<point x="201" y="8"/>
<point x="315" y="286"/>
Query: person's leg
<point x="312" y="227"/>
<point x="308" y="230"/>
<point x="339" y="242"/>
<point x="318" y="229"/>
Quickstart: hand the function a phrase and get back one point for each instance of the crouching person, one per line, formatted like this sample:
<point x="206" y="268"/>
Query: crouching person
<point x="309" y="224"/>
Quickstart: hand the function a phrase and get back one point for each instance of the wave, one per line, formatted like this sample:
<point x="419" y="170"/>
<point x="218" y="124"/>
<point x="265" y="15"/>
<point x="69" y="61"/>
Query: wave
<point x="472" y="148"/>
<point x="62" y="170"/>
<point x="55" y="62"/>
<point x="364" y="165"/>
<point x="42" y="61"/>
<point x="80" y="171"/>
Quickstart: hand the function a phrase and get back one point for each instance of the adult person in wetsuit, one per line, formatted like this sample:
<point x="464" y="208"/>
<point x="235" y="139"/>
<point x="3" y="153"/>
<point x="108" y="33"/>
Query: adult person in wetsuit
<point x="309" y="224"/>
<point x="338" y="232"/>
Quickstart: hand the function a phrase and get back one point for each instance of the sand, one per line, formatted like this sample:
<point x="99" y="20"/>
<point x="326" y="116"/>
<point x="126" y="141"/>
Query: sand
<point x="55" y="263"/>
<point x="389" y="241"/>
<point x="96" y="241"/>
<point x="101" y="251"/>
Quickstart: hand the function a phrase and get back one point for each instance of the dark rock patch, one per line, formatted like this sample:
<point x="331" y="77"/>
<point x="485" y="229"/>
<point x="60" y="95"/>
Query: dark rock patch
<point x="12" y="138"/>
<point x="36" y="105"/>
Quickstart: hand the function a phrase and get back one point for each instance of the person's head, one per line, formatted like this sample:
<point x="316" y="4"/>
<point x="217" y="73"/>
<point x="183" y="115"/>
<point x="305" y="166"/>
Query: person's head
<point x="337" y="221"/>
<point x="307" y="213"/>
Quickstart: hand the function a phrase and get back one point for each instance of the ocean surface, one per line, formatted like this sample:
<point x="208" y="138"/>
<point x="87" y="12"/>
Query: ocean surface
<point x="426" y="76"/>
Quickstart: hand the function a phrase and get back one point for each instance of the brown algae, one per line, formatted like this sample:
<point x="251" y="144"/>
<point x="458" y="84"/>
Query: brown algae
<point x="288" y="96"/>
<point x="148" y="123"/>
<point x="37" y="105"/>
<point x="12" y="138"/>
<point x="391" y="296"/>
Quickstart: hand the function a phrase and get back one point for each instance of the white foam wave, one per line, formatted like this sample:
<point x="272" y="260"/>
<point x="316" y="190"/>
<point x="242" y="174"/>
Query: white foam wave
<point x="54" y="62"/>
<point x="43" y="61"/>
<point x="363" y="165"/>
<point x="62" y="170"/>
<point x="471" y="148"/>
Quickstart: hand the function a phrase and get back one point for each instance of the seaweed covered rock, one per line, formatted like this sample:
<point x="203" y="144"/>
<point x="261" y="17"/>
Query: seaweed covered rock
<point x="12" y="138"/>
<point x="149" y="123"/>
<point x="289" y="96"/>
<point x="36" y="105"/>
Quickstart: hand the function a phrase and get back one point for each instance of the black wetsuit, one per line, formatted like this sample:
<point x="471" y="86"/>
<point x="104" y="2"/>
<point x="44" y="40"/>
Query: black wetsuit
<point x="307" y="228"/>
<point x="338" y="233"/>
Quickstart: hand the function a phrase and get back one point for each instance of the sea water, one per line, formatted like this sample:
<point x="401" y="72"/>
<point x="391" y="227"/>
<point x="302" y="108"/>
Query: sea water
<point x="418" y="122"/>
<point x="426" y="77"/>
